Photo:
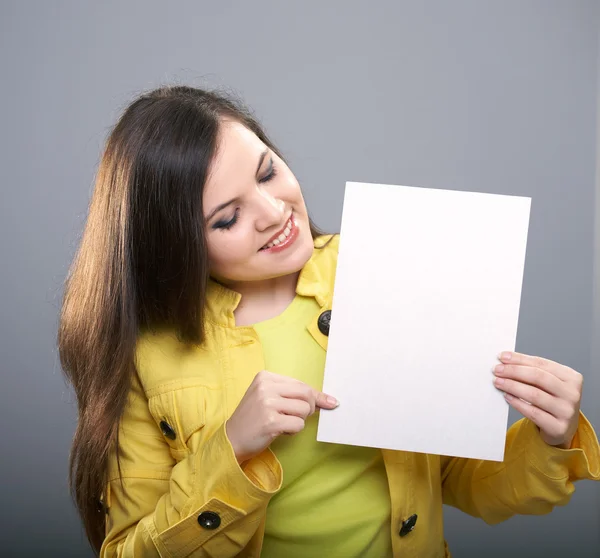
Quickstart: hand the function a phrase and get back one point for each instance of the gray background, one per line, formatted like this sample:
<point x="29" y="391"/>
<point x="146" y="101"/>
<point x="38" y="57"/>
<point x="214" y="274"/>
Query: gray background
<point x="471" y="95"/>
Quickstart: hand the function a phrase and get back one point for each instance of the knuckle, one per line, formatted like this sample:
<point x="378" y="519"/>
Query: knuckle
<point x="539" y="362"/>
<point x="563" y="427"/>
<point x="271" y="423"/>
<point x="533" y="396"/>
<point x="570" y="412"/>
<point x="262" y="391"/>
<point x="534" y="412"/>
<point x="309" y="410"/>
<point x="563" y="410"/>
<point x="299" y="425"/>
<point x="573" y="396"/>
<point x="305" y="409"/>
<point x="262" y="378"/>
<point x="269" y="402"/>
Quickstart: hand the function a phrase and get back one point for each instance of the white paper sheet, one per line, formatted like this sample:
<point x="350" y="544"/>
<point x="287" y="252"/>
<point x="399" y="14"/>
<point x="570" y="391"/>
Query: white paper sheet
<point x="427" y="294"/>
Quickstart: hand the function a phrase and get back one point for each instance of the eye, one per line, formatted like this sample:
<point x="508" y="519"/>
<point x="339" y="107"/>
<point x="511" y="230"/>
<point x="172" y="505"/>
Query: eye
<point x="226" y="225"/>
<point x="271" y="173"/>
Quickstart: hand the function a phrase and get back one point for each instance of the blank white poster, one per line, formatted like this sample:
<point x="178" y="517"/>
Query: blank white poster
<point x="427" y="294"/>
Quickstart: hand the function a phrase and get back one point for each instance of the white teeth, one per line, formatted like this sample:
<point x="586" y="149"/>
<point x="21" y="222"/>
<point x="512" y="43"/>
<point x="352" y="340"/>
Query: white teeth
<point x="286" y="232"/>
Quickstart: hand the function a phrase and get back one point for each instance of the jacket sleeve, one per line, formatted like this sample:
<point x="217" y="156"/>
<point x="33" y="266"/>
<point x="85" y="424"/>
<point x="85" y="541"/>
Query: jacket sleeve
<point x="155" y="509"/>
<point x="533" y="478"/>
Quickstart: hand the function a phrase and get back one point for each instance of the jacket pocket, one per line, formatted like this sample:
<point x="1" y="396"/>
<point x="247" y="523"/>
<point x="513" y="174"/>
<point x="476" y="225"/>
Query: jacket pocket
<point x="178" y="414"/>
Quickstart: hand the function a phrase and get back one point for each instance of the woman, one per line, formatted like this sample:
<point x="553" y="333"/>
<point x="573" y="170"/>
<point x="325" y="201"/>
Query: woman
<point x="198" y="270"/>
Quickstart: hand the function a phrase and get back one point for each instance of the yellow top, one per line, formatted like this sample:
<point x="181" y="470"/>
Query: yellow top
<point x="180" y="492"/>
<point x="334" y="500"/>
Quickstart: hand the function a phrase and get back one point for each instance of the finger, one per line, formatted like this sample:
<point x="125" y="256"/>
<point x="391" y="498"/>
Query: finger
<point x="531" y="394"/>
<point x="538" y="416"/>
<point x="324" y="401"/>
<point x="289" y="424"/>
<point x="532" y="376"/>
<point x="279" y="378"/>
<point x="294" y="407"/>
<point x="556" y="369"/>
<point x="297" y="390"/>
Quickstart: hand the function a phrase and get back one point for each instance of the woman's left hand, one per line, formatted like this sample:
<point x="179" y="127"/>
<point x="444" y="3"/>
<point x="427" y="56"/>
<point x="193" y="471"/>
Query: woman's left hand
<point x="547" y="393"/>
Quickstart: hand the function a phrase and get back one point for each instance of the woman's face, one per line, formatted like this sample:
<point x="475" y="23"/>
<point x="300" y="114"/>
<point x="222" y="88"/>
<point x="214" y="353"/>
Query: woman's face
<point x="256" y="221"/>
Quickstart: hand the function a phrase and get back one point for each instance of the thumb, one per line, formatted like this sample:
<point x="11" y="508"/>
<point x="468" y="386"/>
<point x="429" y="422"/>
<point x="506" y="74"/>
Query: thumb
<point x="324" y="401"/>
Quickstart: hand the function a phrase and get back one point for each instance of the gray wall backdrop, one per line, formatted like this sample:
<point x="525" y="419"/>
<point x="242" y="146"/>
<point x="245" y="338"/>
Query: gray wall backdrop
<point x="489" y="96"/>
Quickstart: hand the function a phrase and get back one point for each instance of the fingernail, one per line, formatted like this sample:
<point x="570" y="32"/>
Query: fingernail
<point x="508" y="397"/>
<point x="498" y="381"/>
<point x="505" y="356"/>
<point x="499" y="369"/>
<point x="332" y="400"/>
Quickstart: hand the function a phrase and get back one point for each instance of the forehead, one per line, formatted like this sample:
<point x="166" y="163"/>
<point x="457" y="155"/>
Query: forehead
<point x="235" y="161"/>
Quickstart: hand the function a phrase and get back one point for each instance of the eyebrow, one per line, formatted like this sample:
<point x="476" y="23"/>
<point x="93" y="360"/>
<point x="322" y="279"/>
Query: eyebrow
<point x="234" y="200"/>
<point x="261" y="159"/>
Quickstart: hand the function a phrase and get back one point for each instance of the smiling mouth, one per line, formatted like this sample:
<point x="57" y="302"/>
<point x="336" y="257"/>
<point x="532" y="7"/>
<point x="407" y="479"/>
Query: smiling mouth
<point x="281" y="236"/>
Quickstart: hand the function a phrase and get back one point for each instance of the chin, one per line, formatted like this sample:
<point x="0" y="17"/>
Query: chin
<point x="294" y="263"/>
<point x="302" y="255"/>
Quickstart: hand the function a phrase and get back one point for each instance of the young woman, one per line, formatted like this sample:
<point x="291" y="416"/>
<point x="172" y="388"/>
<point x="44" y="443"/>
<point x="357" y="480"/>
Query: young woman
<point x="198" y="271"/>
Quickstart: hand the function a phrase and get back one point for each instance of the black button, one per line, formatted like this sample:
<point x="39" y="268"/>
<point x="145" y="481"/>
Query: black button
<point x="408" y="525"/>
<point x="167" y="431"/>
<point x="323" y="322"/>
<point x="209" y="520"/>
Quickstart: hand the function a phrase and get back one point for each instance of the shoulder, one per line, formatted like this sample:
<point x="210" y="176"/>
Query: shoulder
<point x="159" y="359"/>
<point x="325" y="255"/>
<point x="326" y="247"/>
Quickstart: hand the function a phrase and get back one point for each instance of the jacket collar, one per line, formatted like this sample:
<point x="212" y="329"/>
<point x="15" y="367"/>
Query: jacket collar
<point x="221" y="301"/>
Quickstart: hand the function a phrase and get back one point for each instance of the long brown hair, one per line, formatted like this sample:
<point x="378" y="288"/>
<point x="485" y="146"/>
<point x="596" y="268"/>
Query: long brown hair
<point x="142" y="263"/>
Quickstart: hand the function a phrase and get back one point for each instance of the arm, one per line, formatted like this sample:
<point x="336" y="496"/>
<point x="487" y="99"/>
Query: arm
<point x="154" y="511"/>
<point x="533" y="478"/>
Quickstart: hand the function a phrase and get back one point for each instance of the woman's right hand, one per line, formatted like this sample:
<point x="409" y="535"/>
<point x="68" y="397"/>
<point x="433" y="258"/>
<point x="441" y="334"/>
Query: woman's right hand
<point x="272" y="405"/>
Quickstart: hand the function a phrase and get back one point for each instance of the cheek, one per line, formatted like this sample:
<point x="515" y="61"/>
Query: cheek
<point x="228" y="248"/>
<point x="293" y="185"/>
<point x="293" y="191"/>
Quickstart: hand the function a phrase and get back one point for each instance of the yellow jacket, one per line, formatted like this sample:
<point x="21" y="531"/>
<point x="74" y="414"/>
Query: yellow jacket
<point x="184" y="494"/>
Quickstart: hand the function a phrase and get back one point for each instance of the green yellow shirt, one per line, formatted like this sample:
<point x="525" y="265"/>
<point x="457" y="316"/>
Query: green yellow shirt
<point x="334" y="499"/>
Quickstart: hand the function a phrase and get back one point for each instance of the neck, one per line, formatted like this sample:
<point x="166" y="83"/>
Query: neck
<point x="266" y="299"/>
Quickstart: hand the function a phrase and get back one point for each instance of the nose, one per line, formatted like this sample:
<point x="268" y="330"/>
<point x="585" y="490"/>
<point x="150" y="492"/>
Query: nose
<point x="270" y="210"/>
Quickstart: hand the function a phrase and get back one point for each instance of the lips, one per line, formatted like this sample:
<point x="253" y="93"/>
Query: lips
<point x="280" y="236"/>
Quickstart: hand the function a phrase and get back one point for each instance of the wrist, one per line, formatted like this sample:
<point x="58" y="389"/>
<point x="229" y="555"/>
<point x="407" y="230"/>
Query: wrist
<point x="239" y="455"/>
<point x="565" y="445"/>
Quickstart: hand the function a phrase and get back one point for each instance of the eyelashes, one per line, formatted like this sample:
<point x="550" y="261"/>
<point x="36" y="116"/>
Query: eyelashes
<point x="270" y="175"/>
<point x="224" y="224"/>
